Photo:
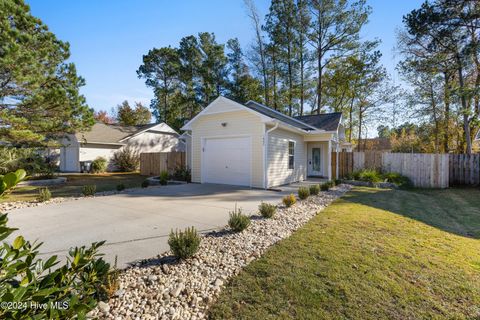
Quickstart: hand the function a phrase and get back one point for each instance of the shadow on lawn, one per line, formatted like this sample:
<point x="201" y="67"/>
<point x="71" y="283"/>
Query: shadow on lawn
<point x="455" y="210"/>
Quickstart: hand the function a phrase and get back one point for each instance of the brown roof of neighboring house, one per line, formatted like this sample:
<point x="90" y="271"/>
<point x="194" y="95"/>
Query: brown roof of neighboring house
<point x="110" y="133"/>
<point x="376" y="144"/>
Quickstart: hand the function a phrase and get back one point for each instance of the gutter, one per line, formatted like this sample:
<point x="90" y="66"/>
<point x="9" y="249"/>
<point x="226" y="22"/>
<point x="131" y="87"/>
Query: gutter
<point x="265" y="145"/>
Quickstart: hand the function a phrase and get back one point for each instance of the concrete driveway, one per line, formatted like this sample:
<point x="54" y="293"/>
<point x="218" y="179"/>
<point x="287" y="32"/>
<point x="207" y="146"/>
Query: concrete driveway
<point x="136" y="224"/>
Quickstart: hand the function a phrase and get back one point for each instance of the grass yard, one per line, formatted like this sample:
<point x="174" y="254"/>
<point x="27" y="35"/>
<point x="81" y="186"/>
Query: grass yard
<point x="374" y="254"/>
<point x="73" y="187"/>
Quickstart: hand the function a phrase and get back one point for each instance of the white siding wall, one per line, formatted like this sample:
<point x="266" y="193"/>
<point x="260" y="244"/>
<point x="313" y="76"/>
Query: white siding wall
<point x="278" y="172"/>
<point x="73" y="152"/>
<point x="89" y="152"/>
<point x="237" y="123"/>
<point x="156" y="142"/>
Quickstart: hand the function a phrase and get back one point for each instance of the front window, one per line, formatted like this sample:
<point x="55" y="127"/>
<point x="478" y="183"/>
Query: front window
<point x="291" y="154"/>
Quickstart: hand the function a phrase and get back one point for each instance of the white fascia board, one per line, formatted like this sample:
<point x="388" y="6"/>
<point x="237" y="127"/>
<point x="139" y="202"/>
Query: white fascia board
<point x="162" y="124"/>
<point x="83" y="143"/>
<point x="288" y="127"/>
<point x="188" y="125"/>
<point x="279" y="113"/>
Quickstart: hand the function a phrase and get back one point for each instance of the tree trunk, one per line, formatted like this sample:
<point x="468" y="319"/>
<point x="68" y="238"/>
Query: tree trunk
<point x="274" y="65"/>
<point x="435" y="118"/>
<point x="466" y="121"/>
<point x="302" y="94"/>
<point x="319" y="84"/>
<point x="360" y="118"/>
<point x="446" y="99"/>
<point x="290" y="81"/>
<point x="350" y="120"/>
<point x="165" y="100"/>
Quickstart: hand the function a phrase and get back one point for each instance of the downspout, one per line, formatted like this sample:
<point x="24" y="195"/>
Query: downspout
<point x="265" y="145"/>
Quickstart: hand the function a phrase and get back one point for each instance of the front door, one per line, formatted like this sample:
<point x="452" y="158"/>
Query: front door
<point x="316" y="162"/>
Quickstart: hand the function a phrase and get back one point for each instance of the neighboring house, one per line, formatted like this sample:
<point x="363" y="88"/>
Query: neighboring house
<point x="103" y="140"/>
<point x="375" y="144"/>
<point x="256" y="146"/>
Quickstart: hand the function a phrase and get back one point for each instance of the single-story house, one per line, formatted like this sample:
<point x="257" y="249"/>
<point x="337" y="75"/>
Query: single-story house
<point x="103" y="140"/>
<point x="254" y="145"/>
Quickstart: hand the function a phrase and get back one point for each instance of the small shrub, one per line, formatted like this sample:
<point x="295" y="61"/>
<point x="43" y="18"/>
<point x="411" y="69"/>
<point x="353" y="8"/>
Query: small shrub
<point x="314" y="189"/>
<point x="163" y="177"/>
<point x="99" y="165"/>
<point x="355" y="175"/>
<point x="44" y="195"/>
<point x="238" y="221"/>
<point x="267" y="210"/>
<point x="303" y="193"/>
<point x="337" y="182"/>
<point x="325" y="186"/>
<point x="182" y="174"/>
<point x="369" y="175"/>
<point x="120" y="187"/>
<point x="145" y="183"/>
<point x="289" y="200"/>
<point x="398" y="179"/>
<point x="9" y="181"/>
<point x="110" y="283"/>
<point x="89" y="190"/>
<point x="25" y="278"/>
<point x="126" y="160"/>
<point x="184" y="244"/>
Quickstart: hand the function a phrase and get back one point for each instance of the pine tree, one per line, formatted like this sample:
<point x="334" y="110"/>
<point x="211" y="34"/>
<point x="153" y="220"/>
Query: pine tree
<point x="39" y="90"/>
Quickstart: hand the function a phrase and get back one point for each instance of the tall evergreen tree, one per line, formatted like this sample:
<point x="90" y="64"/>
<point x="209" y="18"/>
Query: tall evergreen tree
<point x="281" y="26"/>
<point x="449" y="31"/>
<point x="213" y="67"/>
<point x="160" y="69"/>
<point x="36" y="82"/>
<point x="335" y="28"/>
<point x="242" y="86"/>
<point x="190" y="62"/>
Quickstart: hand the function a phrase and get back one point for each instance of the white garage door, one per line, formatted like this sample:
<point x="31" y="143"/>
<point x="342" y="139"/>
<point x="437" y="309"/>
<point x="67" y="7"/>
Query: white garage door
<point x="227" y="161"/>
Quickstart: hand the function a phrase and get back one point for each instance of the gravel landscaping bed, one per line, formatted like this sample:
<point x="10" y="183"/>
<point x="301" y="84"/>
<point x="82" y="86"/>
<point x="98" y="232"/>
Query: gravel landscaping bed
<point x="164" y="288"/>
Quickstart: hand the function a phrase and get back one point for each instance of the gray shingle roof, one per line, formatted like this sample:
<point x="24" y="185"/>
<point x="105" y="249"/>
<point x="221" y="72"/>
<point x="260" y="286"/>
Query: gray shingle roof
<point x="109" y="133"/>
<point x="324" y="121"/>
<point x="269" y="112"/>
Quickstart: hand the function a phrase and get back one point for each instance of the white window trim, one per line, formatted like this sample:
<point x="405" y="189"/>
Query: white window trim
<point x="288" y="153"/>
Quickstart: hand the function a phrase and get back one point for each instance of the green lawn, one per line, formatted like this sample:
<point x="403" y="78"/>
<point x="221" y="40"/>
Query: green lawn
<point x="374" y="254"/>
<point x="73" y="187"/>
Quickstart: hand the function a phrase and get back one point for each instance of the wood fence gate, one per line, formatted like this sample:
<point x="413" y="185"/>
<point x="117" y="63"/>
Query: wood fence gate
<point x="344" y="164"/>
<point x="151" y="164"/>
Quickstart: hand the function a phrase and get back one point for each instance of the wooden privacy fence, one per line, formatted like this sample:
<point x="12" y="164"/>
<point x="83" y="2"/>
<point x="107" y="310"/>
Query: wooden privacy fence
<point x="424" y="169"/>
<point x="464" y="169"/>
<point x="151" y="164"/>
<point x="345" y="163"/>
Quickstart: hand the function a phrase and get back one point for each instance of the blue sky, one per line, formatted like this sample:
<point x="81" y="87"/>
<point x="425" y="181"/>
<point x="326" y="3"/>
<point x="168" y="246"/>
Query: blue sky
<point x="108" y="38"/>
